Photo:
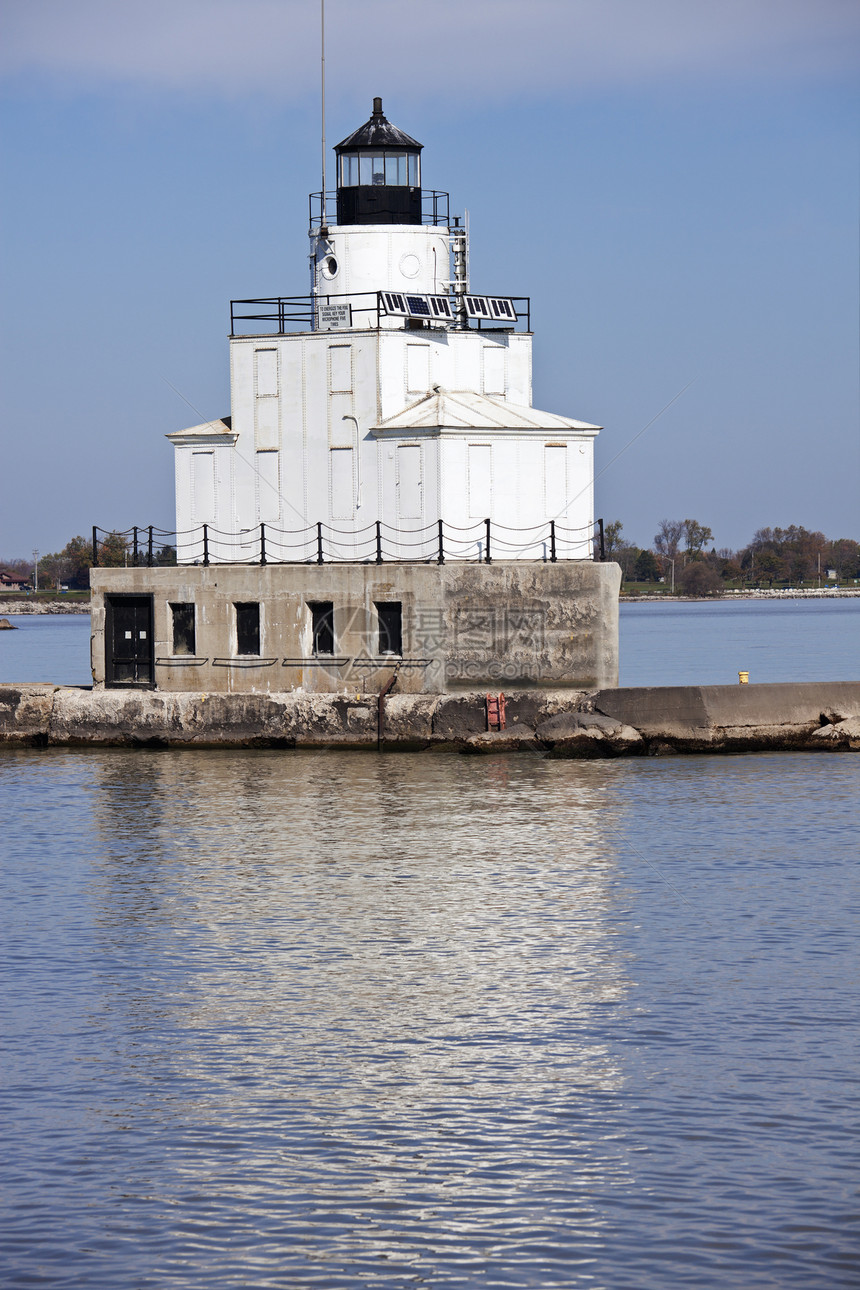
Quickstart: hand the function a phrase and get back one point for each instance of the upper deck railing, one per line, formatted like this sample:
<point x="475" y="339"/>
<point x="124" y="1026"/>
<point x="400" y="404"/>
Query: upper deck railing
<point x="480" y="541"/>
<point x="366" y="310"/>
<point x="435" y="209"/>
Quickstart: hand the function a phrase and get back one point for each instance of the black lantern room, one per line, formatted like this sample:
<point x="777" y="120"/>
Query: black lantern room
<point x="378" y="174"/>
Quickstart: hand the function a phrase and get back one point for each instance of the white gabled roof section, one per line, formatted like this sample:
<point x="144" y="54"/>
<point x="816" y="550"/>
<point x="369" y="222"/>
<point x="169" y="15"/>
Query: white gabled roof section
<point x="466" y="410"/>
<point x="220" y="430"/>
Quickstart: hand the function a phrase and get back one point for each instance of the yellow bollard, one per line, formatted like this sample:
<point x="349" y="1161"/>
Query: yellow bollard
<point x="743" y="678"/>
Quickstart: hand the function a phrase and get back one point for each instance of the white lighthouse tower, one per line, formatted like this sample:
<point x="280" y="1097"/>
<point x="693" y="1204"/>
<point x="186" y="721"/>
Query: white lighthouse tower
<point x="390" y="401"/>
<point x="382" y="506"/>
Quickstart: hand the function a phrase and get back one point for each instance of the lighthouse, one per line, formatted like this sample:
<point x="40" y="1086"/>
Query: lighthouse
<point x="381" y="479"/>
<point x="391" y="393"/>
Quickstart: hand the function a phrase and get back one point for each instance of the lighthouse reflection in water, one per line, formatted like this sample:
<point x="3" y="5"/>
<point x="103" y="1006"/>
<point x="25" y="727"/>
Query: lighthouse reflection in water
<point x="333" y="1019"/>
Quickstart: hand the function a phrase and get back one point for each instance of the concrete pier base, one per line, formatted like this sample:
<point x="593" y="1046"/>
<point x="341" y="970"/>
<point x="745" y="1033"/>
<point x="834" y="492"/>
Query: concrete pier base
<point x="563" y="723"/>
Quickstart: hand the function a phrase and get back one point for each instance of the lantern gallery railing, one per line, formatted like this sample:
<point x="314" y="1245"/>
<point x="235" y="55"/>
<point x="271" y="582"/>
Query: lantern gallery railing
<point x="366" y="309"/>
<point x="434" y="209"/>
<point x="480" y="542"/>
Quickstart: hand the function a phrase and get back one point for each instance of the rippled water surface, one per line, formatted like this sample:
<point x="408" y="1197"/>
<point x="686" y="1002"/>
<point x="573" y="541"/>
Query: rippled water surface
<point x="709" y="642"/>
<point x="333" y="1019"/>
<point x="54" y="648"/>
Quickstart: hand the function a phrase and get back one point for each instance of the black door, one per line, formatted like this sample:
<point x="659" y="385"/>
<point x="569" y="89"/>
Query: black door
<point x="128" y="640"/>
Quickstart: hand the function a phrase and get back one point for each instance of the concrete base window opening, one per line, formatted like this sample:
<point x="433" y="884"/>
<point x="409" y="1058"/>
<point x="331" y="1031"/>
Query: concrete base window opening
<point x="247" y="628"/>
<point x="184" y="634"/>
<point x="390" y="624"/>
<point x="322" y="626"/>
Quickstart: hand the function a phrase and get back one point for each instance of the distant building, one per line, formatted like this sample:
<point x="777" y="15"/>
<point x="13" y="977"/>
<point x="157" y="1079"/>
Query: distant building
<point x="381" y="467"/>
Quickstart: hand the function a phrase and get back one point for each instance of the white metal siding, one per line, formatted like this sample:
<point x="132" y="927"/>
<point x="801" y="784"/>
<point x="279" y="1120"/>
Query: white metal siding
<point x="555" y="480"/>
<point x="268" y="486"/>
<point x="342" y="494"/>
<point x="340" y="369"/>
<point x="203" y="487"/>
<point x="494" y="369"/>
<point x="409" y="482"/>
<point x="266" y="428"/>
<point x="266" y="373"/>
<point x="480" y="481"/>
<point x="417" y="369"/>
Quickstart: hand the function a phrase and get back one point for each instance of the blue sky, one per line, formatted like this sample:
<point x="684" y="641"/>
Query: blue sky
<point x="675" y="186"/>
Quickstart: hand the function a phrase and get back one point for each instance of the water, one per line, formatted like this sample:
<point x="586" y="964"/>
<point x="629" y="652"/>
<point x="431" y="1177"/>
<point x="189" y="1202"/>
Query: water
<point x="693" y="643"/>
<point x="702" y="643"/>
<point x="335" y="1020"/>
<point x="338" y="1020"/>
<point x="47" y="647"/>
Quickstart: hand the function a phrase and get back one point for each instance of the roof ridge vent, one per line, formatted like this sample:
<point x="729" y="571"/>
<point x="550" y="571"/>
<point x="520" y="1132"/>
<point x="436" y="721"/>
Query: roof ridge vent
<point x="377" y="107"/>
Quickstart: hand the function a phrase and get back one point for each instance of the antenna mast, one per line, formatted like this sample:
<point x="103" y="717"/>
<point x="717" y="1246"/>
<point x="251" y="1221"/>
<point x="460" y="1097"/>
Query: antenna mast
<point x="323" y="225"/>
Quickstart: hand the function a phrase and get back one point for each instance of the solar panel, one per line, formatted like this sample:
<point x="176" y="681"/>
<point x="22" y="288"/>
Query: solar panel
<point x="493" y="308"/>
<point x="477" y="307"/>
<point x="503" y="308"/>
<point x="440" y="307"/>
<point x="417" y="306"/>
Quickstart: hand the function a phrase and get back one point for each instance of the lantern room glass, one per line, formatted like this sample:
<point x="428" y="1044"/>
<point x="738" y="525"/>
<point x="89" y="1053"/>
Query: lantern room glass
<point x="372" y="167"/>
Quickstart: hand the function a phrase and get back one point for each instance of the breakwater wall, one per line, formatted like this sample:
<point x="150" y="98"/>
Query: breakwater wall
<point x="652" y="721"/>
<point x="44" y="607"/>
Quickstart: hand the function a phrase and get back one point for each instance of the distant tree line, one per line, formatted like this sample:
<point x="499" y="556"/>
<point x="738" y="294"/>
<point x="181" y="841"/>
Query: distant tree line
<point x="791" y="557"/>
<point x="71" y="566"/>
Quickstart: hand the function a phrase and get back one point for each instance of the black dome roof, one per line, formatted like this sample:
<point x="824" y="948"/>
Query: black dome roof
<point x="378" y="132"/>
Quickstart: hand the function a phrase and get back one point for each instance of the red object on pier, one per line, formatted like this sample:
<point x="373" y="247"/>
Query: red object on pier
<point x="495" y="712"/>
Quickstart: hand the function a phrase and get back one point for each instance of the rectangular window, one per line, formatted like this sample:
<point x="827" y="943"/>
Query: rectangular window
<point x="322" y="627"/>
<point x="267" y="437"/>
<point x="248" y="628"/>
<point x="395" y="169"/>
<point x="480" y="481"/>
<point x="417" y="369"/>
<point x="203" y="487"/>
<point x="268" y="486"/>
<point x="390" y="616"/>
<point x="414" y="173"/>
<point x="349" y="170"/>
<point x="372" y="169"/>
<point x="184" y="636"/>
<point x="494" y="369"/>
<point x="342" y="507"/>
<point x="409" y="482"/>
<point x="340" y="369"/>
<point x="266" y="372"/>
<point x="555" y="480"/>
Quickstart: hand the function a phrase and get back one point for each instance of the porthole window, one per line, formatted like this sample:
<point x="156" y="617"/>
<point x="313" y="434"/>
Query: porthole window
<point x="330" y="266"/>
<point x="410" y="265"/>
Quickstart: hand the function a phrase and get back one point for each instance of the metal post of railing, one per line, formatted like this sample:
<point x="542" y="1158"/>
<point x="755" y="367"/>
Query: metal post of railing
<point x="95" y="546"/>
<point x="149" y="547"/>
<point x="262" y="544"/>
<point x="487" y="554"/>
<point x="440" y="558"/>
<point x="206" y="544"/>
<point x="552" y="541"/>
<point x="378" y="542"/>
<point x="319" y="544"/>
<point x="134" y="548"/>
<point x="602" y="544"/>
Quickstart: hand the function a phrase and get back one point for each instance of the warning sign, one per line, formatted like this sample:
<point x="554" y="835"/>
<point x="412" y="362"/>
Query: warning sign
<point x="334" y="317"/>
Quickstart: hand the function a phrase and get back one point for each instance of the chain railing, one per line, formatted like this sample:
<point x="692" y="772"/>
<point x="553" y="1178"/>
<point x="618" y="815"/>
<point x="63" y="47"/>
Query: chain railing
<point x="482" y="541"/>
